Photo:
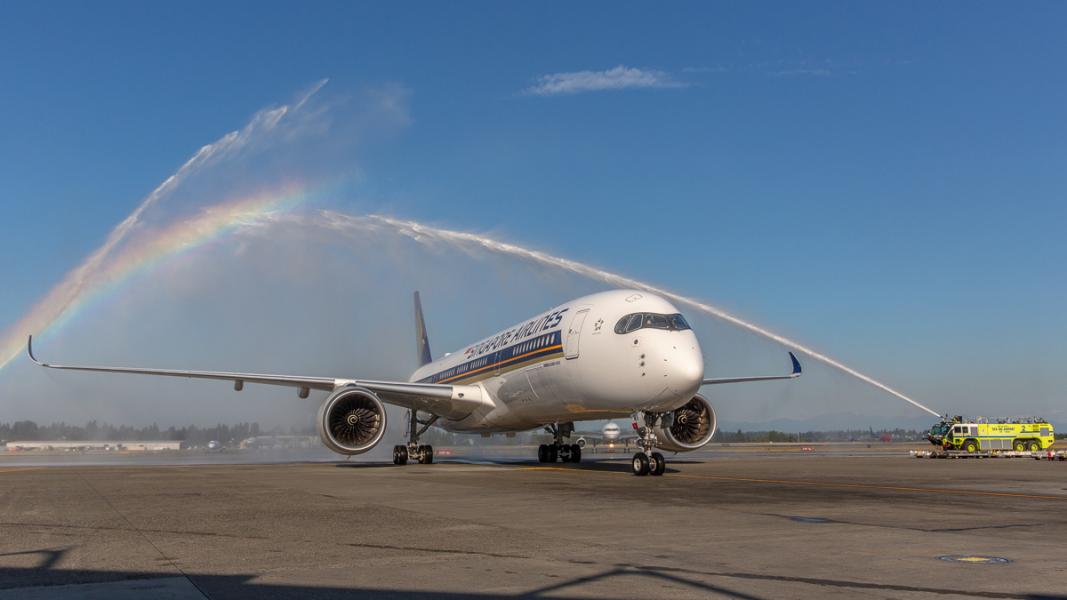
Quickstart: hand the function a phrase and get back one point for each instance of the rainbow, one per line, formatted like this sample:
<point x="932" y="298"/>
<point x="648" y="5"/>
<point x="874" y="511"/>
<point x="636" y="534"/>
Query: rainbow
<point x="95" y="280"/>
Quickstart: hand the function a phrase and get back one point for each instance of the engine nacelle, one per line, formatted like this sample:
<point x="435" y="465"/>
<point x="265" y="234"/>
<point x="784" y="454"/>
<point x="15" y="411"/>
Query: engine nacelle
<point x="351" y="421"/>
<point x="687" y="428"/>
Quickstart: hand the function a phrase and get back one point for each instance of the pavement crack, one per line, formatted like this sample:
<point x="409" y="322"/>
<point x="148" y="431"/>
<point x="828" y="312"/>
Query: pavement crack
<point x="830" y="521"/>
<point x="434" y="550"/>
<point x="980" y="527"/>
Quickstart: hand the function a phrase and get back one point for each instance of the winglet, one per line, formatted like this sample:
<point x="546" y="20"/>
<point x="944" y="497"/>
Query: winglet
<point x="29" y="350"/>
<point x="793" y="375"/>
<point x="796" y="365"/>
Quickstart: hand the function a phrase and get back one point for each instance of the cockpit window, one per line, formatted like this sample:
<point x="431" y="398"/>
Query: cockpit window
<point x="678" y="322"/>
<point x="635" y="321"/>
<point x="656" y="321"/>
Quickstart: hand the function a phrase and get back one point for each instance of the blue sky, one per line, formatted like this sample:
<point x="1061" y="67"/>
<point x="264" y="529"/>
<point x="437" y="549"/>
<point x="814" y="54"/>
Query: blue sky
<point x="883" y="181"/>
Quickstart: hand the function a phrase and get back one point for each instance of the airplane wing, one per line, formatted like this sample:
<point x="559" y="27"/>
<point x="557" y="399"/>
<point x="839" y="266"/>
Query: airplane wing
<point x="448" y="401"/>
<point x="793" y="375"/>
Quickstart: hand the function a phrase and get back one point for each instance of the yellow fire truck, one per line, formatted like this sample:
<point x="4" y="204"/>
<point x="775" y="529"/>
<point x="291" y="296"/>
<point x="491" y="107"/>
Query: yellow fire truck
<point x="1020" y="435"/>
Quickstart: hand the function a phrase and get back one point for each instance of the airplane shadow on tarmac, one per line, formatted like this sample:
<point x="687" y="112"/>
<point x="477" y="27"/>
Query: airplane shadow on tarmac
<point x="46" y="580"/>
<point x="62" y="583"/>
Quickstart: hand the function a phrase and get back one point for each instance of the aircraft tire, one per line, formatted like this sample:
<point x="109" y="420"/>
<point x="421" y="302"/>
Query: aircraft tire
<point x="552" y="456"/>
<point x="427" y="454"/>
<point x="640" y="464"/>
<point x="576" y="453"/>
<point x="542" y="453"/>
<point x="658" y="464"/>
<point x="400" y="455"/>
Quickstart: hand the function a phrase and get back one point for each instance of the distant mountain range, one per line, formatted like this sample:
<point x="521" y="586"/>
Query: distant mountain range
<point x="832" y="422"/>
<point x="852" y="421"/>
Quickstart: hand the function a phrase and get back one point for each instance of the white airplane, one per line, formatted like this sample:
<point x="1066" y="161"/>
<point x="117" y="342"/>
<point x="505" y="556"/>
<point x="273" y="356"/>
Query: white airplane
<point x="610" y="435"/>
<point x="608" y="355"/>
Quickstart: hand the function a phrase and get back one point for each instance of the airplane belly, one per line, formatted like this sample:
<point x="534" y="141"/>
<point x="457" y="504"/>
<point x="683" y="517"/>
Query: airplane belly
<point x="527" y="398"/>
<point x="512" y="395"/>
<point x="551" y="384"/>
<point x="524" y="399"/>
<point x="515" y="391"/>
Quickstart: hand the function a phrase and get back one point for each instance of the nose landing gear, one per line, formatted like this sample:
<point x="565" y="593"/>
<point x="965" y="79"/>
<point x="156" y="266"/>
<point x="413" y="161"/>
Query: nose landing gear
<point x="559" y="450"/>
<point x="647" y="462"/>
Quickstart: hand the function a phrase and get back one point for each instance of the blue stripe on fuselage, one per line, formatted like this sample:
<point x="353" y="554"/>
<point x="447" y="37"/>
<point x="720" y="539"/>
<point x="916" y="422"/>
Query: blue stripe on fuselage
<point x="526" y="351"/>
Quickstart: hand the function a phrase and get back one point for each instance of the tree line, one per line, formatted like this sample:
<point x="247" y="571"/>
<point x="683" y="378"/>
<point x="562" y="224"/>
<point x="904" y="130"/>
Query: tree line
<point x="30" y="431"/>
<point x="842" y="435"/>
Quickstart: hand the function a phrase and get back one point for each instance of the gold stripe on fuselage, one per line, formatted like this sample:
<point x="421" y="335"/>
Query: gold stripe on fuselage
<point x="482" y="374"/>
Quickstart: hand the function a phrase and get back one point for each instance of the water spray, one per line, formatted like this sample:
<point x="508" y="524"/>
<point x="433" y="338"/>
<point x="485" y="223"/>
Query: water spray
<point x="104" y="264"/>
<point x="422" y="233"/>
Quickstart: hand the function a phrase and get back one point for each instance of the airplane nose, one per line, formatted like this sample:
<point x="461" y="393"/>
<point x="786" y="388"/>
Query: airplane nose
<point x="686" y="369"/>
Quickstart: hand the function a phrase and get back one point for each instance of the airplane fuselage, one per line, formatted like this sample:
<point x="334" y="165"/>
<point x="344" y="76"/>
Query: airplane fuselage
<point x="582" y="360"/>
<point x="610" y="432"/>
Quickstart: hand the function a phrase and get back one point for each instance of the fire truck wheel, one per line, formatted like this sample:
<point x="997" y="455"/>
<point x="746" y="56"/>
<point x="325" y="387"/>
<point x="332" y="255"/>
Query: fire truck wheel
<point x="1019" y="445"/>
<point x="970" y="446"/>
<point x="1035" y="446"/>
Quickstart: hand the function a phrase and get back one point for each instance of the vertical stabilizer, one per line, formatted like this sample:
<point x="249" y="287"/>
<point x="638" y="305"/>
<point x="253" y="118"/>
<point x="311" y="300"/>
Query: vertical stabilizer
<point x="421" y="341"/>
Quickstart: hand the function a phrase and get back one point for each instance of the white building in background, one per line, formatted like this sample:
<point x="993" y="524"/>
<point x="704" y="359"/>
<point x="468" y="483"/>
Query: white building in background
<point x="69" y="446"/>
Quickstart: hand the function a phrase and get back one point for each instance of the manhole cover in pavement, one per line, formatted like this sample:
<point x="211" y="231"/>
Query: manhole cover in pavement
<point x="974" y="559"/>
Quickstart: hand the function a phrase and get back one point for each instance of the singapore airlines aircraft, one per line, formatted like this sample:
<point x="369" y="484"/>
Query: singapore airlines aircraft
<point x="608" y="355"/>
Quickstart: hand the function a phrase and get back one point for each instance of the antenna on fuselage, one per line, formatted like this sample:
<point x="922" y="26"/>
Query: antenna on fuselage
<point x="421" y="341"/>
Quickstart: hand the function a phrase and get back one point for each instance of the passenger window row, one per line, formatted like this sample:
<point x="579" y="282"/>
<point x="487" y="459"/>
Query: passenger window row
<point x="529" y="346"/>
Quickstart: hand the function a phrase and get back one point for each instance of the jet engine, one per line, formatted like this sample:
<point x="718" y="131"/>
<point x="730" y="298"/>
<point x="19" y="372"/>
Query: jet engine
<point x="688" y="427"/>
<point x="351" y="420"/>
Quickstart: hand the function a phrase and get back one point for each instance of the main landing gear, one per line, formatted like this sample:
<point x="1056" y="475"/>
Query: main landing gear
<point x="647" y="462"/>
<point x="413" y="450"/>
<point x="559" y="450"/>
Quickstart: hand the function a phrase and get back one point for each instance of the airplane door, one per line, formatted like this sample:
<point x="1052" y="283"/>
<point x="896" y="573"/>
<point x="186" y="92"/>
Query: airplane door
<point x="574" y="333"/>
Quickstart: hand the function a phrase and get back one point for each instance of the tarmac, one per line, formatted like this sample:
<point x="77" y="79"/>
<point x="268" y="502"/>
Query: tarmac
<point x="720" y="524"/>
